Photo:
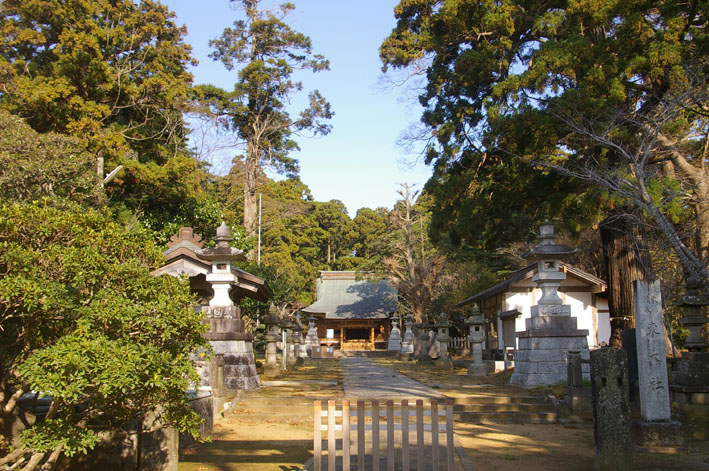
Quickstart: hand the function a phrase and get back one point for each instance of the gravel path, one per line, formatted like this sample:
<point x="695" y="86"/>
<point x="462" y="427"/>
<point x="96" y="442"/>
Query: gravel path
<point x="365" y="379"/>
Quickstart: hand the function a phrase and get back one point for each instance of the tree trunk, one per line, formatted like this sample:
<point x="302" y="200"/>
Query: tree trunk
<point x="250" y="200"/>
<point x="626" y="260"/>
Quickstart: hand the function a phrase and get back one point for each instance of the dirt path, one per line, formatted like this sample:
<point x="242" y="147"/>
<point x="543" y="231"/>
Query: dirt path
<point x="252" y="441"/>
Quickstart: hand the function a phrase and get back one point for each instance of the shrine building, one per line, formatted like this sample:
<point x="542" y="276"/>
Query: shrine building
<point x="352" y="314"/>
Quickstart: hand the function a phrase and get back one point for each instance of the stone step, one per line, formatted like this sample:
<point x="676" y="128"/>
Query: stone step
<point x="499" y="399"/>
<point x="507" y="417"/>
<point x="502" y="408"/>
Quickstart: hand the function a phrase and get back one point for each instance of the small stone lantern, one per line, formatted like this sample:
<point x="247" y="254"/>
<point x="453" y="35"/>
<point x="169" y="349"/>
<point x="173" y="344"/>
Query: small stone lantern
<point x="394" y="343"/>
<point x="476" y="323"/>
<point x="311" y="340"/>
<point x="442" y="328"/>
<point x="297" y="330"/>
<point x="271" y="322"/>
<point x="407" y="344"/>
<point x="302" y="350"/>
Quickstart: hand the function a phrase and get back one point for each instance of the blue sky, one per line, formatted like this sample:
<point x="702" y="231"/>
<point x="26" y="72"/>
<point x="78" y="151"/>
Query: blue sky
<point x="359" y="162"/>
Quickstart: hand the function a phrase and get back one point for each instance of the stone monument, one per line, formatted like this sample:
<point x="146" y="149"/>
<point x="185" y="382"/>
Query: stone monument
<point x="476" y="323"/>
<point x="442" y="338"/>
<point x="394" y="343"/>
<point x="690" y="374"/>
<point x="226" y="329"/>
<point x="611" y="410"/>
<point x="407" y="344"/>
<point x="656" y="427"/>
<point x="550" y="331"/>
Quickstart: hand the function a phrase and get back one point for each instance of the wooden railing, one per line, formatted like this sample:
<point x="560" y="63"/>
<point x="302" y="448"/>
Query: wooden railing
<point x="460" y="342"/>
<point x="395" y="418"/>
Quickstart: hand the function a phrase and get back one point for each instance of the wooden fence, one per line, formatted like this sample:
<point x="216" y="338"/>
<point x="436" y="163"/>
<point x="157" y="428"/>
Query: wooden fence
<point x="461" y="343"/>
<point x="394" y="418"/>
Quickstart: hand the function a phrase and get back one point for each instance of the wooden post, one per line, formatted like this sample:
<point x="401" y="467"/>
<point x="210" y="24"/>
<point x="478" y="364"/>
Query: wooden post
<point x="449" y="433"/>
<point x="419" y="434"/>
<point x="434" y="435"/>
<point x="345" y="435"/>
<point x="317" y="436"/>
<point x="331" y="443"/>
<point x="405" y="435"/>
<point x="360" y="435"/>
<point x="390" y="435"/>
<point x="375" y="435"/>
<point x="371" y="337"/>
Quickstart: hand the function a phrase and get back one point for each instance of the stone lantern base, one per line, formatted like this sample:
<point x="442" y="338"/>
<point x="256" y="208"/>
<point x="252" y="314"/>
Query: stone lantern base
<point x="239" y="364"/>
<point x="542" y="350"/>
<point x="227" y="337"/>
<point x="478" y="369"/>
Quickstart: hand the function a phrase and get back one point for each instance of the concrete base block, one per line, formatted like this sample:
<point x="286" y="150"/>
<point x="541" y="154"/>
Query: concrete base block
<point x="406" y="356"/>
<point x="445" y="363"/>
<point x="661" y="434"/>
<point x="495" y="366"/>
<point x="478" y="370"/>
<point x="272" y="371"/>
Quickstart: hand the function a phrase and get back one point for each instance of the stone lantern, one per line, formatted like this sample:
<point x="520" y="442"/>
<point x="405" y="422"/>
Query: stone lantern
<point x="476" y="323"/>
<point x="297" y="334"/>
<point x="422" y="337"/>
<point x="551" y="332"/>
<point x="407" y="344"/>
<point x="221" y="256"/>
<point x="271" y="322"/>
<point x="442" y="337"/>
<point x="394" y="343"/>
<point x="286" y="356"/>
<point x="302" y="350"/>
<point x="226" y="333"/>
<point x="689" y="386"/>
<point x="312" y="340"/>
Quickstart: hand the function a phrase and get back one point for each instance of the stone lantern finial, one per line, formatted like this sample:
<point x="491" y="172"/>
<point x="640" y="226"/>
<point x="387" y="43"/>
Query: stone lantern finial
<point x="223" y="235"/>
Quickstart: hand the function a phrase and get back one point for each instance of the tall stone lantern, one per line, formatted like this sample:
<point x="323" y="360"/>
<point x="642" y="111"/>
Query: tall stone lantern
<point x="271" y="322"/>
<point x="442" y="329"/>
<point x="689" y="386"/>
<point x="226" y="328"/>
<point x="476" y="323"/>
<point x="550" y="331"/>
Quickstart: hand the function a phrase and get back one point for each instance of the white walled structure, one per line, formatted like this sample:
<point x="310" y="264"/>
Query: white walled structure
<point x="508" y="304"/>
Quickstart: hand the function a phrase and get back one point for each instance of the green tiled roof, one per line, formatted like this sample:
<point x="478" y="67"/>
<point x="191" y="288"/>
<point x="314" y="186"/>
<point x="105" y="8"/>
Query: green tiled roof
<point x="354" y="299"/>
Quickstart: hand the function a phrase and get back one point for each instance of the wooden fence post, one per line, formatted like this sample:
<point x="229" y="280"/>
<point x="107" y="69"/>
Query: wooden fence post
<point x="434" y="436"/>
<point x="419" y="434"/>
<point x="375" y="435"/>
<point x="360" y="436"/>
<point x="405" y="435"/>
<point x="449" y="433"/>
<point x="331" y="443"/>
<point x="345" y="435"/>
<point x="317" y="436"/>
